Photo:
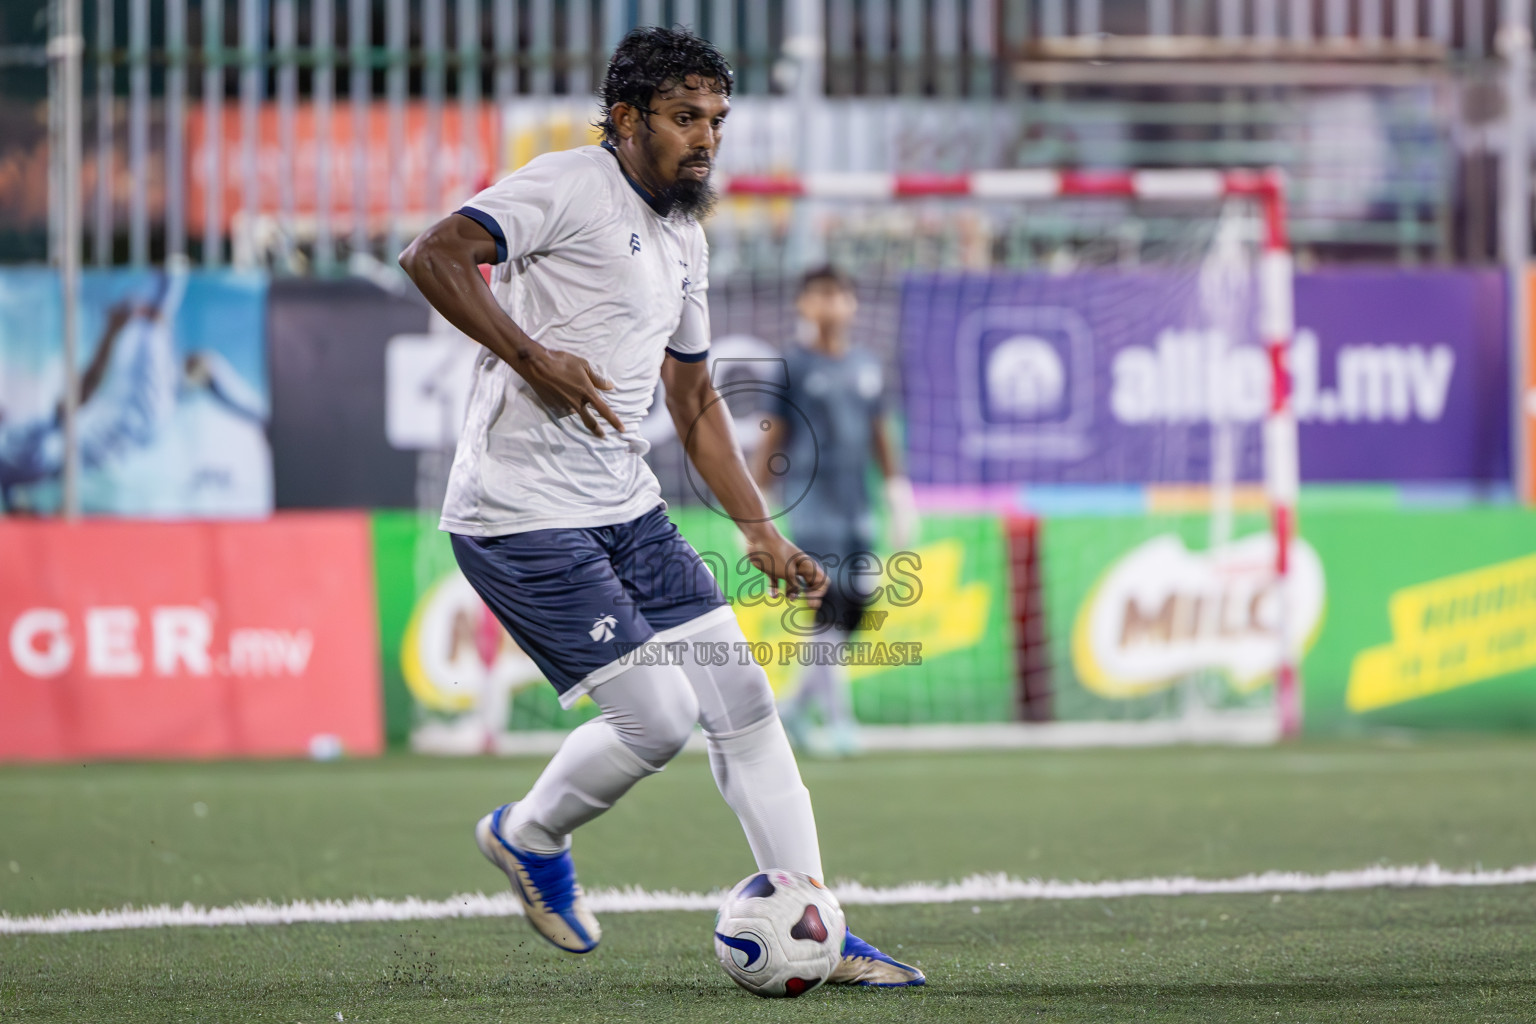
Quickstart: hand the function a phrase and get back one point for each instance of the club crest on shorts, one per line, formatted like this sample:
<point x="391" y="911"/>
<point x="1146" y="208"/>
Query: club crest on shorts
<point x="602" y="628"/>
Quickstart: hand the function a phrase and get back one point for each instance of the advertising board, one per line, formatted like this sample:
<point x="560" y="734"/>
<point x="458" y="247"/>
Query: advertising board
<point x="163" y="640"/>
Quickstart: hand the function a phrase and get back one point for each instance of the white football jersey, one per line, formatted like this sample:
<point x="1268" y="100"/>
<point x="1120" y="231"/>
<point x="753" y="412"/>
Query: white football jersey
<point x="587" y="266"/>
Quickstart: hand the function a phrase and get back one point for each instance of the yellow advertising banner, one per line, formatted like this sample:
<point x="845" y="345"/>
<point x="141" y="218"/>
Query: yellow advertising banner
<point x="1448" y="633"/>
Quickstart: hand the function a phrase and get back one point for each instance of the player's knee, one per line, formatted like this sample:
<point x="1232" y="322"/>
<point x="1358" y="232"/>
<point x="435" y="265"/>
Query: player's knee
<point x="670" y="731"/>
<point x="738" y="699"/>
<point x="752" y="699"/>
<point x="663" y="730"/>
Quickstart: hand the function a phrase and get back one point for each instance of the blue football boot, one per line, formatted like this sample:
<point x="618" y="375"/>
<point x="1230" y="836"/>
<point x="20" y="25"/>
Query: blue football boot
<point x="546" y="885"/>
<point x="863" y="964"/>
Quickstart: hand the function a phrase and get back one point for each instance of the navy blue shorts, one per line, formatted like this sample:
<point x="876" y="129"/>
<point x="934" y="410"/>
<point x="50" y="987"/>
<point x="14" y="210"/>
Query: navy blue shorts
<point x="577" y="600"/>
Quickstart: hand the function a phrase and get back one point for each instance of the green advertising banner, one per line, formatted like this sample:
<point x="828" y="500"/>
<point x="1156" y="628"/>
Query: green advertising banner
<point x="1145" y="619"/>
<point x="453" y="679"/>
<point x="946" y="600"/>
<point x="1431" y="620"/>
<point x="937" y="647"/>
<point x="1421" y="619"/>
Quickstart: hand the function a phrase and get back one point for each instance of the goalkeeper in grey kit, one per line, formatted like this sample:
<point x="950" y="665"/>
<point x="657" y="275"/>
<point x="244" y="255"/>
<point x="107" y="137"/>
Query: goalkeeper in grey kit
<point x="826" y="428"/>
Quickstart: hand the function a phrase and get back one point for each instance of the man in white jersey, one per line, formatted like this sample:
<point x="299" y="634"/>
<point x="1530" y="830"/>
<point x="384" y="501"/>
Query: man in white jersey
<point x="599" y="288"/>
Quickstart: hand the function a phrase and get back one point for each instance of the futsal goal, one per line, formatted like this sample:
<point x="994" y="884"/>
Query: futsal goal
<point x="1090" y="371"/>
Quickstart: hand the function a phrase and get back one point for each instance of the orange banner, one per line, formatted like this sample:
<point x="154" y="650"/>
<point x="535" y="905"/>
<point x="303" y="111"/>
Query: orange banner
<point x="448" y="153"/>
<point x="202" y="640"/>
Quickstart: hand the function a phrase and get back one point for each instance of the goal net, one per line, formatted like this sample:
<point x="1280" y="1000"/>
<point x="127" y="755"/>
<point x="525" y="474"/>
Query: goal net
<point x="1088" y="375"/>
<point x="1085" y="380"/>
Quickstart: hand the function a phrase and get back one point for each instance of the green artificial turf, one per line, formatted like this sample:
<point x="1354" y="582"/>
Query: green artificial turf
<point x="74" y="837"/>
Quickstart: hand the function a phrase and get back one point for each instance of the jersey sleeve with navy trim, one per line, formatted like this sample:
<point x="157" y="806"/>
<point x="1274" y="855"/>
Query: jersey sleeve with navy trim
<point x="690" y="342"/>
<point x="537" y="206"/>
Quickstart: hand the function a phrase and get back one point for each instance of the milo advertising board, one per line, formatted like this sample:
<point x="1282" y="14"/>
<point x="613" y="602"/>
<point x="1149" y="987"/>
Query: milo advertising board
<point x="935" y="645"/>
<point x="1147" y="619"/>
<point x="1419" y="619"/>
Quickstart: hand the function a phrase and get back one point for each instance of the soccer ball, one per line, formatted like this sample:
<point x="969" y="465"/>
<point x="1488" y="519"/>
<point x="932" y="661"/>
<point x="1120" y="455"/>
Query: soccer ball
<point x="779" y="933"/>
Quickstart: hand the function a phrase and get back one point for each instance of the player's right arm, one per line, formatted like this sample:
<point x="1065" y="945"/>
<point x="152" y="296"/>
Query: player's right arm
<point x="444" y="262"/>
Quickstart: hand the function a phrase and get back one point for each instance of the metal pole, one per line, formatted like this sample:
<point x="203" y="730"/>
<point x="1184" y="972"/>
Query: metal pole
<point x="285" y="35"/>
<point x="541" y="18"/>
<point x="433" y="42"/>
<point x="65" y="51"/>
<point x="322" y="43"/>
<point x="909" y="43"/>
<point x="213" y="134"/>
<point x="616" y="23"/>
<point x="395" y="29"/>
<point x="359" y="88"/>
<point x="504" y="80"/>
<point x="101" y="235"/>
<point x="1229" y="19"/>
<point x="1515" y="217"/>
<point x="1301" y="21"/>
<point x="175" y="128"/>
<point x="138" y="131"/>
<point x="945" y="24"/>
<point x="252" y="85"/>
<point x="1336" y="19"/>
<point x="1370" y="22"/>
<point x="758" y="50"/>
<point x="1266" y="20"/>
<point x="722" y="32"/>
<point x="1405" y="23"/>
<point x="1089" y="17"/>
<point x="1440" y="21"/>
<point x="578" y="47"/>
<point x="1282" y="465"/>
<point x="469" y="105"/>
<point x="1473" y="43"/>
<point x="55" y="137"/>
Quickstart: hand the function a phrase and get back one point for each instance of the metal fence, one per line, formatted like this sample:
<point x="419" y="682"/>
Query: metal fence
<point x="320" y="133"/>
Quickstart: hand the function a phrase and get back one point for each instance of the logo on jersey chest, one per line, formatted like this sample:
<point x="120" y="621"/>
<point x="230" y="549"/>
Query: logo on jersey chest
<point x="634" y="244"/>
<point x="686" y="282"/>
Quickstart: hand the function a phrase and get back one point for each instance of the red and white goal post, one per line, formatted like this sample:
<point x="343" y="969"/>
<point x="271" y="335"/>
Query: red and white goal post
<point x="1275" y="299"/>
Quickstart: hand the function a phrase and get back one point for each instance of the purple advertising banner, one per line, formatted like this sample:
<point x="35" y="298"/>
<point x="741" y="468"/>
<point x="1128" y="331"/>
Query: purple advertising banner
<point x="1159" y="377"/>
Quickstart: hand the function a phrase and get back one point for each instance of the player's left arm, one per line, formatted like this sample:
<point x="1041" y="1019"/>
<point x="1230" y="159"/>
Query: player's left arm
<point x="704" y="424"/>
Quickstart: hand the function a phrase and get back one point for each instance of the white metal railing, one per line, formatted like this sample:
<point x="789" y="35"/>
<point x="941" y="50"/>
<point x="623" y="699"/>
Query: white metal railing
<point x="244" y="67"/>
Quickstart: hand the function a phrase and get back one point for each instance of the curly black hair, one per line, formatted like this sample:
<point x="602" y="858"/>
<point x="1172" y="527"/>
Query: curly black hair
<point x="652" y="60"/>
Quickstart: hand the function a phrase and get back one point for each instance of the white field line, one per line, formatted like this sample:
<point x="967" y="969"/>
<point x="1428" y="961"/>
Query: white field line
<point x="975" y="889"/>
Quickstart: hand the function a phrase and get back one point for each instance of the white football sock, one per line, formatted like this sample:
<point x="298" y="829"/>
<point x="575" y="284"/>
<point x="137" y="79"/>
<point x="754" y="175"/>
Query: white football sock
<point x="750" y="755"/>
<point x="756" y="772"/>
<point x="591" y="770"/>
<point x="648" y="712"/>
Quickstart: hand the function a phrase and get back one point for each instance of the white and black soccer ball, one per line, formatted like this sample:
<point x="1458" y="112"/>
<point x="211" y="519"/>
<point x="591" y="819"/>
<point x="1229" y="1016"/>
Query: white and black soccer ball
<point x="779" y="933"/>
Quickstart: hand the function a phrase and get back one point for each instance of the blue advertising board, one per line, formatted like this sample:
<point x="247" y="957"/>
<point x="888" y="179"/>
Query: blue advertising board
<point x="1159" y="377"/>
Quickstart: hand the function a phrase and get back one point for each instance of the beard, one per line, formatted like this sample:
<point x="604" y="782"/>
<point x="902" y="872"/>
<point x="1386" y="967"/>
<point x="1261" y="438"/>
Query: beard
<point x="691" y="198"/>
